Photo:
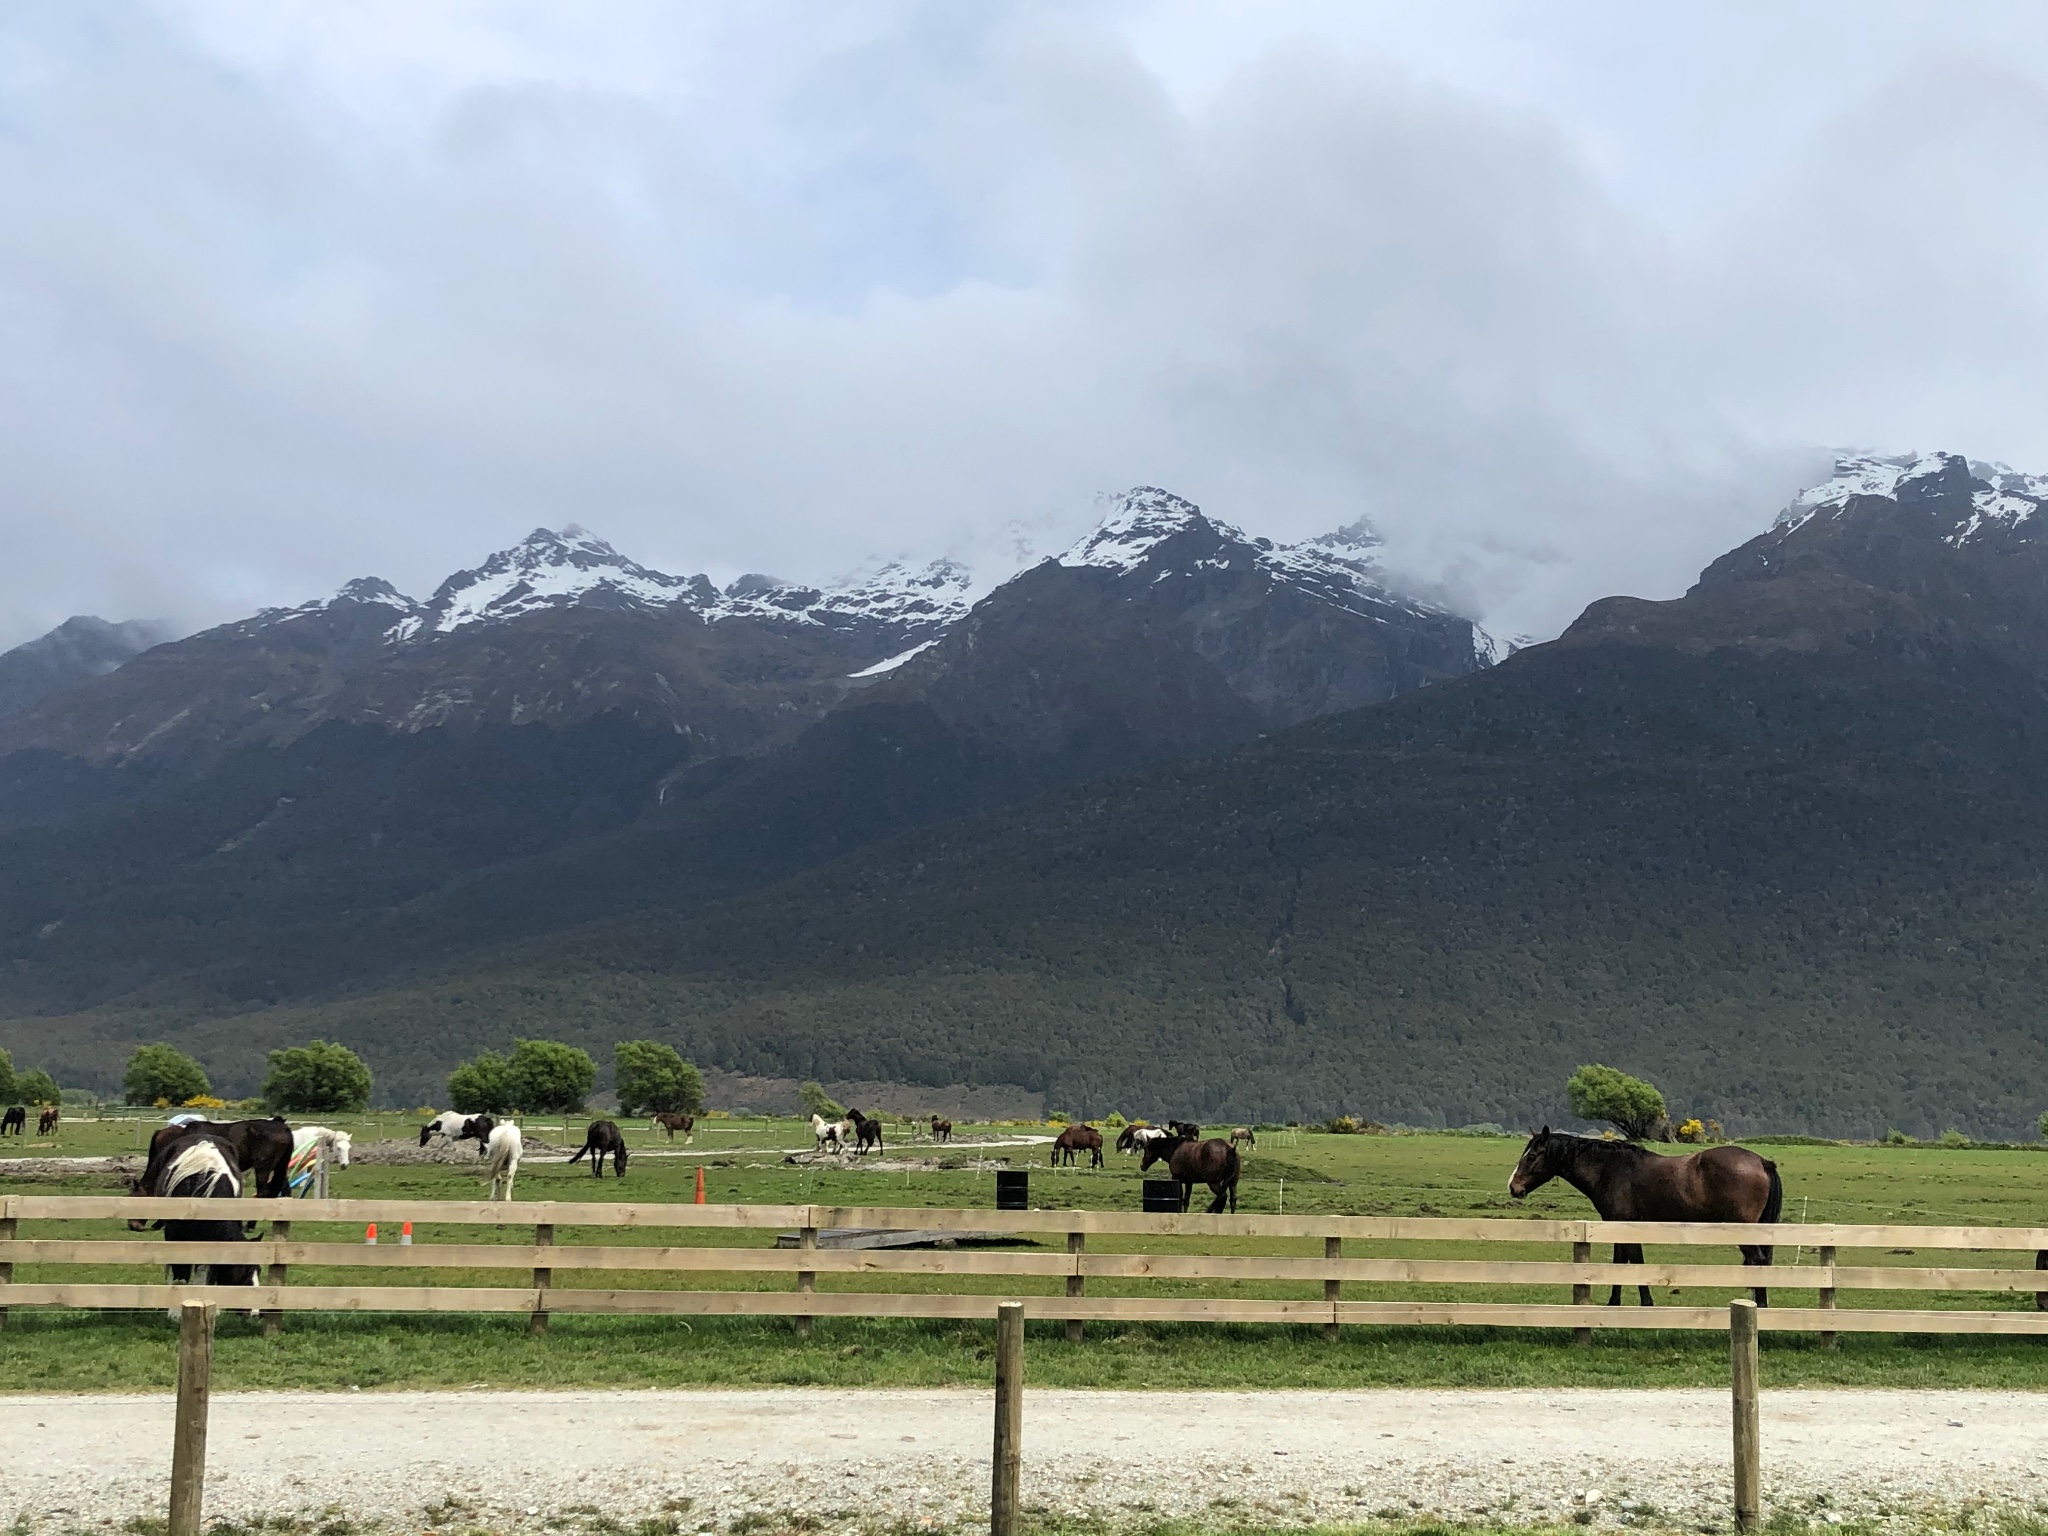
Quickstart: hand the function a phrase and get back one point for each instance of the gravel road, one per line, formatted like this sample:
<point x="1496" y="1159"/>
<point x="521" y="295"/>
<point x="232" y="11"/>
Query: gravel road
<point x="919" y="1460"/>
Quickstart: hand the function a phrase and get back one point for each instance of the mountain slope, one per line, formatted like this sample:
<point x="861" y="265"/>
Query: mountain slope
<point x="81" y="647"/>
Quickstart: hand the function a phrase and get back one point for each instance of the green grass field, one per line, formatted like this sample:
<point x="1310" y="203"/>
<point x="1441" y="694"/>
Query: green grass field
<point x="1305" y="1171"/>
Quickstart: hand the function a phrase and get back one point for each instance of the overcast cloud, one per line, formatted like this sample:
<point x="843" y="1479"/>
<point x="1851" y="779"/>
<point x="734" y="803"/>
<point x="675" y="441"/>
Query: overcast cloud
<point x="1566" y="298"/>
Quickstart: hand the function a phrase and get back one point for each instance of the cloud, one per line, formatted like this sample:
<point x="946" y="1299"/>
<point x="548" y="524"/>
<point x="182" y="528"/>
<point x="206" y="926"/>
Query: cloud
<point x="300" y="295"/>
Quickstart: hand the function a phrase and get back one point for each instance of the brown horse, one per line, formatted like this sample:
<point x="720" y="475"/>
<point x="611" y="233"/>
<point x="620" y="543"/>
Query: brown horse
<point x="604" y="1137"/>
<point x="1627" y="1182"/>
<point x="1213" y="1162"/>
<point x="46" y="1122"/>
<point x="672" y="1123"/>
<point x="1077" y="1138"/>
<point x="942" y="1130"/>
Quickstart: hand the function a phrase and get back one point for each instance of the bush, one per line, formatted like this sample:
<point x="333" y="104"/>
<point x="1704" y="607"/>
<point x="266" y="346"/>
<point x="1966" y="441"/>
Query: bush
<point x="2042" y="1126"/>
<point x="818" y="1102"/>
<point x="548" y="1076"/>
<point x="1897" y="1138"/>
<point x="320" y="1078"/>
<point x="162" y="1073"/>
<point x="36" y="1086"/>
<point x="1630" y="1105"/>
<point x="1116" y="1121"/>
<point x="1691" y="1130"/>
<point x="1954" y="1138"/>
<point x="481" y="1086"/>
<point x="654" y="1077"/>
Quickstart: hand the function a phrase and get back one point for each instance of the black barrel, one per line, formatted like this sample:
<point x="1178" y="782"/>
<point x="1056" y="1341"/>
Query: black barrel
<point x="1013" y="1190"/>
<point x="1162" y="1195"/>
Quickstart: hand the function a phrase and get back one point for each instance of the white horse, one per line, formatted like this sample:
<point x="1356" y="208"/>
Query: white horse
<point x="501" y="1158"/>
<point x="834" y="1131"/>
<point x="307" y="1141"/>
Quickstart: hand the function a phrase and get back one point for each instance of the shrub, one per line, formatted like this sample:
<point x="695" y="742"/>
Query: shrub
<point x="654" y="1077"/>
<point x="1691" y="1130"/>
<point x="205" y="1101"/>
<point x="1117" y="1122"/>
<point x="548" y="1076"/>
<point x="2042" y="1126"/>
<point x="818" y="1102"/>
<point x="1630" y="1105"/>
<point x="320" y="1078"/>
<point x="1954" y="1138"/>
<point x="162" y="1074"/>
<point x="1897" y="1138"/>
<point x="8" y="1084"/>
<point x="481" y="1086"/>
<point x="36" y="1086"/>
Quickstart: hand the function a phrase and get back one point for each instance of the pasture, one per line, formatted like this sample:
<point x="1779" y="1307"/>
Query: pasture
<point x="744" y="1161"/>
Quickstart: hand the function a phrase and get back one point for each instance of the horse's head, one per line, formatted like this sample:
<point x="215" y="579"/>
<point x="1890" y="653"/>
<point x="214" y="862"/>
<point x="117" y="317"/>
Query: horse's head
<point x="341" y="1143"/>
<point x="1158" y="1148"/>
<point x="427" y="1131"/>
<point x="1542" y="1159"/>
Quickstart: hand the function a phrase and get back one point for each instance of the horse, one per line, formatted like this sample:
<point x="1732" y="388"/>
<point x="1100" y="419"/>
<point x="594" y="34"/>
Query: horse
<point x="46" y="1122"/>
<point x="501" y="1152"/>
<point x="604" y="1136"/>
<point x="1627" y="1182"/>
<point x="833" y="1131"/>
<point x="672" y="1123"/>
<point x="1213" y="1162"/>
<point x="262" y="1148"/>
<point x="15" y="1120"/>
<point x="307" y="1143"/>
<point x="867" y="1133"/>
<point x="448" y="1123"/>
<point x="1187" y="1130"/>
<point x="1138" y="1134"/>
<point x="196" y="1164"/>
<point x="1245" y="1134"/>
<point x="477" y="1128"/>
<point x="942" y="1130"/>
<point x="1077" y="1138"/>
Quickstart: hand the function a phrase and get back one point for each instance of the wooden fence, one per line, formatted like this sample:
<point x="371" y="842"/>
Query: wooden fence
<point x="865" y="1273"/>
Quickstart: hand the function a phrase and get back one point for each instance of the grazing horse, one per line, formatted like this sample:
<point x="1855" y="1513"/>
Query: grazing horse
<point x="15" y="1120"/>
<point x="1077" y="1138"/>
<point x="307" y="1144"/>
<point x="1187" y="1130"/>
<point x="1213" y="1162"/>
<point x="834" y="1131"/>
<point x="197" y="1164"/>
<point x="942" y="1130"/>
<point x="672" y="1123"/>
<point x="1138" y="1134"/>
<point x="448" y="1123"/>
<point x="262" y="1148"/>
<point x="867" y="1133"/>
<point x="604" y="1136"/>
<point x="1245" y="1134"/>
<point x="501" y="1155"/>
<point x="1627" y="1182"/>
<point x="46" y="1122"/>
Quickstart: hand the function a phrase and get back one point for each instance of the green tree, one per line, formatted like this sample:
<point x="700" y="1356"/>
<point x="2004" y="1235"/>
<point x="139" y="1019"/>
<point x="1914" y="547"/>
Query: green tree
<point x="2042" y="1126"/>
<point x="162" y="1072"/>
<point x="819" y="1102"/>
<point x="651" y="1076"/>
<point x="9" y="1086"/>
<point x="1630" y="1105"/>
<point x="320" y="1077"/>
<point x="481" y="1086"/>
<point x="548" y="1076"/>
<point x="36" y="1086"/>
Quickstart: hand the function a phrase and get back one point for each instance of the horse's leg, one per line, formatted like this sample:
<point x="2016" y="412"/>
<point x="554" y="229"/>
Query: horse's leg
<point x="1758" y="1256"/>
<point x="1636" y="1257"/>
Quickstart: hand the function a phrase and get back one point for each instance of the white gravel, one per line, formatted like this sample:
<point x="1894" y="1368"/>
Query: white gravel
<point x="920" y="1459"/>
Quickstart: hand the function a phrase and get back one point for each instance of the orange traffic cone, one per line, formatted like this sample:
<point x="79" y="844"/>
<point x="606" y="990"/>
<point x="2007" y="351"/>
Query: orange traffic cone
<point x="370" y="1233"/>
<point x="700" y="1183"/>
<point x="405" y="1235"/>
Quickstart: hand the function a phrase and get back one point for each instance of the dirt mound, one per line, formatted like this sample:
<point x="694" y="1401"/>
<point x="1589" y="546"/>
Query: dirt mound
<point x="398" y="1153"/>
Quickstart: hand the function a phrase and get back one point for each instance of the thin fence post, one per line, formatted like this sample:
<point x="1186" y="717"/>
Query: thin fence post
<point x="320" y="1171"/>
<point x="7" y="1229"/>
<point x="1333" y="1248"/>
<point x="1009" y="1447"/>
<point x="806" y="1279"/>
<point x="1828" y="1340"/>
<point x="280" y="1231"/>
<point x="543" y="1277"/>
<point x="1742" y="1373"/>
<point x="1582" y="1295"/>
<point x="188" y="1436"/>
<point x="1076" y="1242"/>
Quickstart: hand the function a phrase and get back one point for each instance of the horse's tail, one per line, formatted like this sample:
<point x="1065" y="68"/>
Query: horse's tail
<point x="577" y="1155"/>
<point x="1774" y="1202"/>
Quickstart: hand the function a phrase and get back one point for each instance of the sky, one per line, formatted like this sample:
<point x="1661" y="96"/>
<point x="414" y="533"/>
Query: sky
<point x="1566" y="298"/>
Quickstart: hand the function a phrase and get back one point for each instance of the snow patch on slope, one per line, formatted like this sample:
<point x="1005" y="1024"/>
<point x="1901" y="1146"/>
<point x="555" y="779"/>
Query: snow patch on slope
<point x="1999" y="494"/>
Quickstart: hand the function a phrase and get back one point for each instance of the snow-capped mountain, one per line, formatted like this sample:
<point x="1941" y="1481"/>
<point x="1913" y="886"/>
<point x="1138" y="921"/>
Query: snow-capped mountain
<point x="1998" y="496"/>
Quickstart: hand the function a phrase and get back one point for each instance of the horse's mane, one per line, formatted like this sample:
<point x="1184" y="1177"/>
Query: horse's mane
<point x="1579" y="1143"/>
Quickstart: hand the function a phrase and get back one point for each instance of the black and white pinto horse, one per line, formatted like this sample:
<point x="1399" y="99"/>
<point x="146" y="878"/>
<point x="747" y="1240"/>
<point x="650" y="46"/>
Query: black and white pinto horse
<point x="454" y="1125"/>
<point x="199" y="1166"/>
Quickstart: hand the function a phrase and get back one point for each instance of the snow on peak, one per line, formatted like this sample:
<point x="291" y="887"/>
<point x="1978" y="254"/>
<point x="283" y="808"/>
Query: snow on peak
<point x="1133" y="525"/>
<point x="374" y="589"/>
<point x="915" y="599"/>
<point x="569" y="568"/>
<point x="1999" y="494"/>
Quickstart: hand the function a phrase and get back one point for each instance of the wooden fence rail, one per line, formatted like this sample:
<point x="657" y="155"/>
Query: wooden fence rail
<point x="532" y="1272"/>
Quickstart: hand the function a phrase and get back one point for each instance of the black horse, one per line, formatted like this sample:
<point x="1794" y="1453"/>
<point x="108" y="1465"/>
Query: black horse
<point x="478" y="1129"/>
<point x="15" y="1120"/>
<point x="193" y="1163"/>
<point x="1213" y="1162"/>
<point x="866" y="1133"/>
<point x="604" y="1136"/>
<point x="1627" y="1182"/>
<point x="262" y="1148"/>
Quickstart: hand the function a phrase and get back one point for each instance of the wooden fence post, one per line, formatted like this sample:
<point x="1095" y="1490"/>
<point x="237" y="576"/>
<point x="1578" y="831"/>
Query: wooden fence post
<point x="1742" y="1373"/>
<point x="806" y="1279"/>
<point x="188" y="1437"/>
<point x="543" y="1277"/>
<point x="320" y="1171"/>
<point x="7" y="1227"/>
<point x="280" y="1231"/>
<point x="1582" y="1295"/>
<point x="1333" y="1248"/>
<point x="1076" y="1242"/>
<point x="1827" y="1297"/>
<point x="1009" y="1447"/>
